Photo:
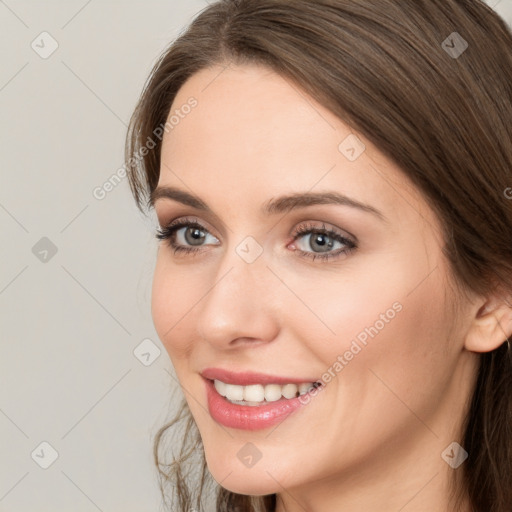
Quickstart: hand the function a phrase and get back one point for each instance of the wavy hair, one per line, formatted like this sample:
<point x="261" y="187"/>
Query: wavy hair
<point x="388" y="69"/>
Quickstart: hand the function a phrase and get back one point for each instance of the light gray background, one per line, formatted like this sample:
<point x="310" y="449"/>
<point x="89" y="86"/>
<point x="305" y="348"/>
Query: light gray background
<point x="70" y="322"/>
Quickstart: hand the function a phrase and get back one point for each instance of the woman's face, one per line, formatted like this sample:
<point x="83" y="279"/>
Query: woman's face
<point x="375" y="317"/>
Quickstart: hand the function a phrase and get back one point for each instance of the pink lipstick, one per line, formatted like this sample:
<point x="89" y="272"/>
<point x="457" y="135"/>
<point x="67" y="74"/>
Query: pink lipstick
<point x="255" y="416"/>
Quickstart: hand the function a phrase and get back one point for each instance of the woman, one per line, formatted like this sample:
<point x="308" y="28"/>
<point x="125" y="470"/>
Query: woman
<point x="333" y="284"/>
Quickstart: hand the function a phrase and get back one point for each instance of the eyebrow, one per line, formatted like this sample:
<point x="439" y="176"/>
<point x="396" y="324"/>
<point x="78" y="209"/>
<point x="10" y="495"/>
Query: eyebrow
<point x="274" y="206"/>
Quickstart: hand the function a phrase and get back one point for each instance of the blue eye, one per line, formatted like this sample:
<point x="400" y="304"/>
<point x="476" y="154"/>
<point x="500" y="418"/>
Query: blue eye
<point x="195" y="234"/>
<point x="324" y="239"/>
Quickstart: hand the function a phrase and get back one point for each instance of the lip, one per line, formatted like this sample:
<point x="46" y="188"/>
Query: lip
<point x="248" y="417"/>
<point x="248" y="378"/>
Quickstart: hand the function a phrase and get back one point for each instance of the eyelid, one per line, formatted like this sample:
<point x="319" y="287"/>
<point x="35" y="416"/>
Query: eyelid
<point x="193" y="219"/>
<point x="188" y="219"/>
<point x="325" y="226"/>
<point x="177" y="215"/>
<point x="169" y="233"/>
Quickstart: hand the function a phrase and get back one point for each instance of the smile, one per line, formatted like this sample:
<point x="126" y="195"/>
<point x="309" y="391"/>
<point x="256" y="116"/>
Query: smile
<point x="259" y="394"/>
<point x="256" y="406"/>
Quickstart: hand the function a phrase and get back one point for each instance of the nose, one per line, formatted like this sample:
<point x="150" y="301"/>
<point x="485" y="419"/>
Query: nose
<point x="240" y="305"/>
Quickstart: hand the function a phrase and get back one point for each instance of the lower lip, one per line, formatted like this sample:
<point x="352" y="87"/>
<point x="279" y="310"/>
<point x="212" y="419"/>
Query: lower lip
<point x="248" y="417"/>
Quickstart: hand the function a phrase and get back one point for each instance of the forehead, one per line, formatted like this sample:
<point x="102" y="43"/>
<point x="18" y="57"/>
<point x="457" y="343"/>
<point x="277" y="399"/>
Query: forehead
<point x="255" y="107"/>
<point x="259" y="134"/>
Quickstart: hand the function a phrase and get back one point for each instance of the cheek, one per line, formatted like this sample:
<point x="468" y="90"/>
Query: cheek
<point x="172" y="296"/>
<point x="344" y="310"/>
<point x="379" y="323"/>
<point x="403" y="365"/>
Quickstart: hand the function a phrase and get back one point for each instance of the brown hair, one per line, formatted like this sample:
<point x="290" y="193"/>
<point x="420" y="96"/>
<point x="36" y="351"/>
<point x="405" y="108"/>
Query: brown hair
<point x="445" y="119"/>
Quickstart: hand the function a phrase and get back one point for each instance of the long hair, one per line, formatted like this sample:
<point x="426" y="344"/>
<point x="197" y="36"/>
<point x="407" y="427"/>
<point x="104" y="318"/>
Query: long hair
<point x="429" y="83"/>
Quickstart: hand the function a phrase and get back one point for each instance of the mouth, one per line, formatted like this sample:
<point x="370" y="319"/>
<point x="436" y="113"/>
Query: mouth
<point x="256" y="401"/>
<point x="255" y="395"/>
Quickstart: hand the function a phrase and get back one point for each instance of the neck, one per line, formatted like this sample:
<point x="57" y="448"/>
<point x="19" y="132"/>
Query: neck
<point x="386" y="488"/>
<point x="407" y="472"/>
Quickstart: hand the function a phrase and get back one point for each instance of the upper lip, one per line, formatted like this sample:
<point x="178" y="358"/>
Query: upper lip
<point x="248" y="378"/>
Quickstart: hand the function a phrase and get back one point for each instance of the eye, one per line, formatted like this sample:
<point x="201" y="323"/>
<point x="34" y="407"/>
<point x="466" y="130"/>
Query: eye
<point x="321" y="241"/>
<point x="184" y="231"/>
<point x="187" y="236"/>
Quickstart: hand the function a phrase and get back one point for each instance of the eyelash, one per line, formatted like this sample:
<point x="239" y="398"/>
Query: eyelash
<point x="168" y="233"/>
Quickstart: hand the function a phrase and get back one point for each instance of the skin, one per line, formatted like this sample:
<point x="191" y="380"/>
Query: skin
<point x="372" y="438"/>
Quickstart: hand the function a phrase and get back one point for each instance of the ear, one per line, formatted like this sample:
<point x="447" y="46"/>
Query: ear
<point x="491" y="325"/>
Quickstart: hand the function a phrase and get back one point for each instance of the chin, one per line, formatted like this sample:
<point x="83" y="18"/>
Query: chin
<point x="250" y="486"/>
<point x="234" y="477"/>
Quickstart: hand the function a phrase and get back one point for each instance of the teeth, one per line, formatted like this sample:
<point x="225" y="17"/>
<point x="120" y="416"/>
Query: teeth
<point x="220" y="387"/>
<point x="304" y="388"/>
<point x="237" y="392"/>
<point x="289" y="390"/>
<point x="255" y="394"/>
<point x="273" y="392"/>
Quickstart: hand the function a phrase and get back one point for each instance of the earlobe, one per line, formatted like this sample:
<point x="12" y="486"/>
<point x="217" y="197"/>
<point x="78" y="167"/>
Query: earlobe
<point x="491" y="327"/>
